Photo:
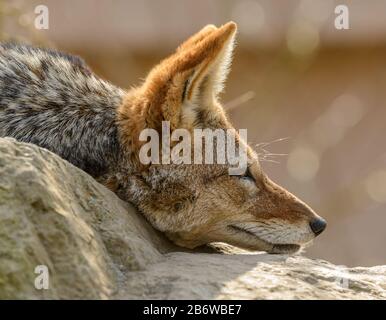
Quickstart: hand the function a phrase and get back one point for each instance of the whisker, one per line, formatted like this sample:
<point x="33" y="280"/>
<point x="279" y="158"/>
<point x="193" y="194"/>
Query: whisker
<point x="273" y="141"/>
<point x="265" y="155"/>
<point x="270" y="160"/>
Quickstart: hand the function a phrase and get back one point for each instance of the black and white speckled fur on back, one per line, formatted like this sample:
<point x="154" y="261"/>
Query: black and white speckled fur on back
<point x="54" y="100"/>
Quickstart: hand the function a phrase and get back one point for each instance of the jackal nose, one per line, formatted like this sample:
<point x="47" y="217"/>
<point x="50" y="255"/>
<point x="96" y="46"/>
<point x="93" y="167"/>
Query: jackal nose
<point x="318" y="225"/>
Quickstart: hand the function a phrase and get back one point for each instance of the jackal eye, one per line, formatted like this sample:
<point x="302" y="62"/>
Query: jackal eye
<point x="178" y="206"/>
<point x="249" y="184"/>
<point x="248" y="175"/>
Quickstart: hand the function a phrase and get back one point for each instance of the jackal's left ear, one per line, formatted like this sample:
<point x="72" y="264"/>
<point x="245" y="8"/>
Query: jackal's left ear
<point x="208" y="79"/>
<point x="192" y="77"/>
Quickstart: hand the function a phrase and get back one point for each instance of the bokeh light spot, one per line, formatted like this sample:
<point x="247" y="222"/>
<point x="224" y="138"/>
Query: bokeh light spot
<point x="315" y="10"/>
<point x="330" y="128"/>
<point x="303" y="164"/>
<point x="249" y="16"/>
<point x="376" y="186"/>
<point x="302" y="38"/>
<point x="346" y="110"/>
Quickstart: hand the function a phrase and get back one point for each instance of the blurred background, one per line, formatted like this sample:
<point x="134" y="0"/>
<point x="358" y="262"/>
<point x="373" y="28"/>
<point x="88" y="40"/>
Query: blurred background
<point x="312" y="97"/>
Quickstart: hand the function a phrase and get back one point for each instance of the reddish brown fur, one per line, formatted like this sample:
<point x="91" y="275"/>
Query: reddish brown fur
<point x="197" y="204"/>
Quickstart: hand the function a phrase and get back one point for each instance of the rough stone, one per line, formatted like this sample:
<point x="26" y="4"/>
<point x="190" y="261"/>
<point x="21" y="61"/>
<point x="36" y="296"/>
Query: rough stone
<point x="98" y="247"/>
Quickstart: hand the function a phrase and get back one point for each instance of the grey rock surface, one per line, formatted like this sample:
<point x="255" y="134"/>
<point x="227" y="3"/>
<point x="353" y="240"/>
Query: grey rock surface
<point x="98" y="247"/>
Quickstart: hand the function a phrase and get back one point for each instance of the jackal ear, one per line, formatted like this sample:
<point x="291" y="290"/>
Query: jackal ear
<point x="196" y="38"/>
<point x="207" y="80"/>
<point x="192" y="77"/>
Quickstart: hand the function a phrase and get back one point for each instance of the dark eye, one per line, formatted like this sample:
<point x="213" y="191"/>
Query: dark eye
<point x="248" y="175"/>
<point x="178" y="206"/>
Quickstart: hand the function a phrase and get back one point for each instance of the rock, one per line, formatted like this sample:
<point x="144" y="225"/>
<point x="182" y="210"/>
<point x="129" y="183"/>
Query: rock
<point x="98" y="247"/>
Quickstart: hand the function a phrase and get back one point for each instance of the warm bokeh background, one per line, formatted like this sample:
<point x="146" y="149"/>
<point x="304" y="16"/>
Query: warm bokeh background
<point x="314" y="93"/>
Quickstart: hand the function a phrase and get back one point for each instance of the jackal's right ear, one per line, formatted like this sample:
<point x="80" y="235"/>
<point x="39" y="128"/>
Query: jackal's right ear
<point x="192" y="77"/>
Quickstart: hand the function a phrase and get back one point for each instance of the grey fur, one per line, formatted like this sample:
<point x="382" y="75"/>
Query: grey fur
<point x="54" y="100"/>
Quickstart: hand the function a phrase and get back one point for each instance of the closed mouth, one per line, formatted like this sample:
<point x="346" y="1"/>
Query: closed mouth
<point x="286" y="248"/>
<point x="273" y="248"/>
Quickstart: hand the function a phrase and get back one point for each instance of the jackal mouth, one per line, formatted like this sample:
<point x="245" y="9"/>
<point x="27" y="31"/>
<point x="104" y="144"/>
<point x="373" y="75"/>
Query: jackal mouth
<point x="286" y="248"/>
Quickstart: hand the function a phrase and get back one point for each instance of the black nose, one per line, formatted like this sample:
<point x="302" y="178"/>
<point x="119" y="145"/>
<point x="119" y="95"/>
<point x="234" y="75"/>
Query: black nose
<point x="318" y="225"/>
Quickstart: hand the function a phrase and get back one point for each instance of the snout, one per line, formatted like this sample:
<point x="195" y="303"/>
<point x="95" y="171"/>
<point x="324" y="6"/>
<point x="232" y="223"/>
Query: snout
<point x="318" y="225"/>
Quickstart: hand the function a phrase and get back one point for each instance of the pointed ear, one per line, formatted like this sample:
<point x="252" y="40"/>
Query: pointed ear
<point x="196" y="38"/>
<point x="208" y="80"/>
<point x="194" y="74"/>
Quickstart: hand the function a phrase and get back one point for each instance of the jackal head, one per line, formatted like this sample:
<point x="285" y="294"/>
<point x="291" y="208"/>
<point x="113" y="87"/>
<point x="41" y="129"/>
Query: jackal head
<point x="195" y="204"/>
